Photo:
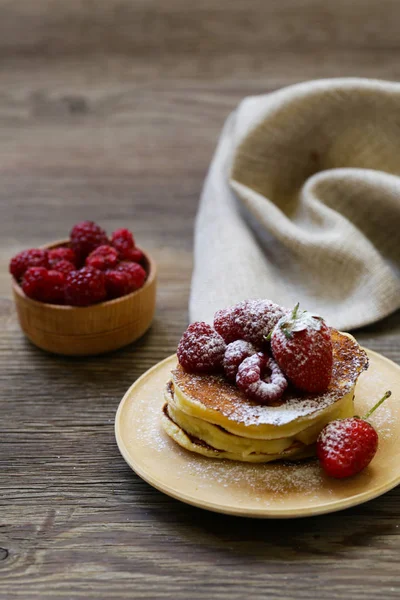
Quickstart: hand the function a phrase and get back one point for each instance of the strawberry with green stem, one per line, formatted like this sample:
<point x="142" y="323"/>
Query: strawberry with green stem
<point x="302" y="346"/>
<point x="346" y="446"/>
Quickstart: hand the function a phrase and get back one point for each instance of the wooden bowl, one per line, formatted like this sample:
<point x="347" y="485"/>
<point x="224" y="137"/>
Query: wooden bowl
<point x="80" y="331"/>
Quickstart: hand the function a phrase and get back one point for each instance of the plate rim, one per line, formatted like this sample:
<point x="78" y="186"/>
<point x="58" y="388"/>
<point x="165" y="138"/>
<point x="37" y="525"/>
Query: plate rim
<point x="262" y="512"/>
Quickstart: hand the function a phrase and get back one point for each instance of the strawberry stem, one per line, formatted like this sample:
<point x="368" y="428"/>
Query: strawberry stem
<point x="373" y="409"/>
<point x="294" y="313"/>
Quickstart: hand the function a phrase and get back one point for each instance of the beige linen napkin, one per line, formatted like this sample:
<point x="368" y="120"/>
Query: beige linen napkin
<point x="302" y="203"/>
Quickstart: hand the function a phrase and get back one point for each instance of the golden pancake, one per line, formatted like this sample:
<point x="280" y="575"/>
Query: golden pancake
<point x="297" y="451"/>
<point x="214" y="400"/>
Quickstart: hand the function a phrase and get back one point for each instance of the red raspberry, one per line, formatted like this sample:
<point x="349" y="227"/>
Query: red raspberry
<point x="201" y="349"/>
<point x="260" y="378"/>
<point x="235" y="354"/>
<point x="225" y="325"/>
<point x="85" y="237"/>
<point x="134" y="255"/>
<point x="302" y="346"/>
<point x="122" y="240"/>
<point x="58" y="254"/>
<point x="255" y="319"/>
<point x="250" y="320"/>
<point x="137" y="275"/>
<point x="104" y="257"/>
<point x="64" y="266"/>
<point x="43" y="285"/>
<point x="118" y="283"/>
<point x="347" y="446"/>
<point x="85" y="287"/>
<point x="28" y="258"/>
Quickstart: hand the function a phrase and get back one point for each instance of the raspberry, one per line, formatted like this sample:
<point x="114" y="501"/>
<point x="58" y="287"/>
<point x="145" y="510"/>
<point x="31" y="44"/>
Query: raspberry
<point x="104" y="257"/>
<point x="118" y="283"/>
<point x="260" y="378"/>
<point x="43" y="285"/>
<point x="250" y="320"/>
<point x="122" y="240"/>
<point x="85" y="237"/>
<point x="255" y="319"/>
<point x="137" y="275"/>
<point x="64" y="266"/>
<point x="28" y="258"/>
<point x="58" y="254"/>
<point x="85" y="287"/>
<point x="201" y="349"/>
<point x="225" y="325"/>
<point x="302" y="346"/>
<point x="235" y="354"/>
<point x="134" y="255"/>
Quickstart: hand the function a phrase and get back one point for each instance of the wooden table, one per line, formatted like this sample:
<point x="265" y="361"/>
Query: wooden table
<point x="111" y="110"/>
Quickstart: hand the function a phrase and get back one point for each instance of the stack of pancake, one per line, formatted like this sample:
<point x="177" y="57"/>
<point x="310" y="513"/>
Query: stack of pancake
<point x="210" y="416"/>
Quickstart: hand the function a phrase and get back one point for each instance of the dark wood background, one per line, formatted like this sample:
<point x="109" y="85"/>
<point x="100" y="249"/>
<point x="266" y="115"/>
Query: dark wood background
<point x="111" y="110"/>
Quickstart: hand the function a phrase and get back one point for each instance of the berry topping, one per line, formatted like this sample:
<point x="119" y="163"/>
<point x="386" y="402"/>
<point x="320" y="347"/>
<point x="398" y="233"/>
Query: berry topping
<point x="122" y="240"/>
<point x="235" y="354"/>
<point x="250" y="320"/>
<point x="28" y="258"/>
<point x="43" y="285"/>
<point x="345" y="447"/>
<point x="85" y="237"/>
<point x="201" y="349"/>
<point x="102" y="258"/>
<point x="260" y="378"/>
<point x="58" y="254"/>
<point x="254" y="319"/>
<point x="118" y="283"/>
<point x="137" y="275"/>
<point x="64" y="266"/>
<point x="85" y="287"/>
<point x="225" y="325"/>
<point x="302" y="346"/>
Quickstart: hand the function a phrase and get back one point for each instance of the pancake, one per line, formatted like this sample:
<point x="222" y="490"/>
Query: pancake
<point x="219" y="438"/>
<point x="212" y="399"/>
<point x="297" y="451"/>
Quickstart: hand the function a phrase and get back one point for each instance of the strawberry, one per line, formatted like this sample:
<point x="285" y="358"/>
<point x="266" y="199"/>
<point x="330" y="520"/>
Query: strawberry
<point x="346" y="446"/>
<point x="302" y="346"/>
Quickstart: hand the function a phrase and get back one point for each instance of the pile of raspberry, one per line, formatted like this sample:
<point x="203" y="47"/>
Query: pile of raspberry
<point x="92" y="268"/>
<point x="261" y="348"/>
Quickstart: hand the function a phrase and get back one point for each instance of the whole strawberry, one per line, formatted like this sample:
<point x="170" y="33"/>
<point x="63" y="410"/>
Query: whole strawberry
<point x="302" y="346"/>
<point x="346" y="446"/>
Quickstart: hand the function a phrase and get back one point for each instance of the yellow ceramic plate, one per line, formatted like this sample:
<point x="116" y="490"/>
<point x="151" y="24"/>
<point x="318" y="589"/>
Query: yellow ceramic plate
<point x="266" y="490"/>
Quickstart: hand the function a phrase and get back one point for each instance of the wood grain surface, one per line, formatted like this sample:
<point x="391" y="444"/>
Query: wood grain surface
<point x="110" y="110"/>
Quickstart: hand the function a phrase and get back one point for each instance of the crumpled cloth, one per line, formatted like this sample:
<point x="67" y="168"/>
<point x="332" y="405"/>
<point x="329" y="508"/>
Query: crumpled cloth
<point x="302" y="204"/>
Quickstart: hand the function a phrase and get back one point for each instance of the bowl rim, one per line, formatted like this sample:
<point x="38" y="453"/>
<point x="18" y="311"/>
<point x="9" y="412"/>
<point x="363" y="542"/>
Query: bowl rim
<point x="68" y="307"/>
